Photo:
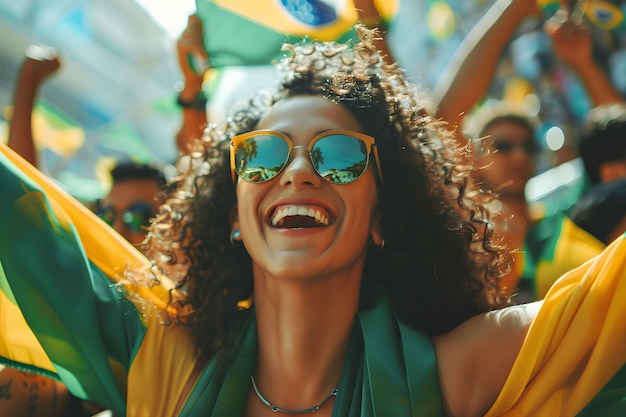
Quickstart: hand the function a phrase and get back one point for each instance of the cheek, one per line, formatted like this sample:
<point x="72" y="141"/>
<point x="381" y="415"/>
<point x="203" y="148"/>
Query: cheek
<point x="249" y="197"/>
<point x="365" y="199"/>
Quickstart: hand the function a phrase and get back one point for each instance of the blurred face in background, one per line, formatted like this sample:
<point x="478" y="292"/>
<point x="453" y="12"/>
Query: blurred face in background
<point x="505" y="159"/>
<point x="129" y="206"/>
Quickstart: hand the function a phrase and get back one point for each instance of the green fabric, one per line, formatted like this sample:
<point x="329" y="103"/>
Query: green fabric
<point x="611" y="401"/>
<point x="390" y="371"/>
<point x="79" y="318"/>
<point x="233" y="40"/>
<point x="540" y="244"/>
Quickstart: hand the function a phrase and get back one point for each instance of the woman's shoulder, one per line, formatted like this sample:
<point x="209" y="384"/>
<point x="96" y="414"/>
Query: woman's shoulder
<point x="475" y="358"/>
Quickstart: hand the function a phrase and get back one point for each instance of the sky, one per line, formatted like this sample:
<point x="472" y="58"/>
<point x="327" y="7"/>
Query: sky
<point x="171" y="14"/>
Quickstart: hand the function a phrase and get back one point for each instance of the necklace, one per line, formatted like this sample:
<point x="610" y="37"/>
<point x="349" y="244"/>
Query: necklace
<point x="277" y="409"/>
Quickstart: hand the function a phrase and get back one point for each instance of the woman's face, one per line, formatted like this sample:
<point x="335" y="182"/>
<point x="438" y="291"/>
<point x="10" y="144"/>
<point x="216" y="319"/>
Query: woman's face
<point x="330" y="231"/>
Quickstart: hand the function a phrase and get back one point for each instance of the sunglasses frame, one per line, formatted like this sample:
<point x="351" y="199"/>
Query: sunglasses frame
<point x="370" y="143"/>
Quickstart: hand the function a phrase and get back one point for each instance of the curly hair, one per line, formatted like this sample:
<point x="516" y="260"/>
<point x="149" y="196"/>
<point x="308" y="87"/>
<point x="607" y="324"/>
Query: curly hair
<point x="440" y="263"/>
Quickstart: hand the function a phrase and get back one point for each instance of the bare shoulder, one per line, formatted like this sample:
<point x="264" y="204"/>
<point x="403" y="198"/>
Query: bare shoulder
<point x="475" y="358"/>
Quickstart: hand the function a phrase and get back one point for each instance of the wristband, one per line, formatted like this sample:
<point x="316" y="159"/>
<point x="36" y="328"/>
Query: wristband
<point x="197" y="103"/>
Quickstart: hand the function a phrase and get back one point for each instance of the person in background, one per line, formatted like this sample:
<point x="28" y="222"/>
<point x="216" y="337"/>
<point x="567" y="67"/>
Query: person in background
<point x="227" y="49"/>
<point x="504" y="148"/>
<point x="132" y="200"/>
<point x="602" y="210"/>
<point x="602" y="145"/>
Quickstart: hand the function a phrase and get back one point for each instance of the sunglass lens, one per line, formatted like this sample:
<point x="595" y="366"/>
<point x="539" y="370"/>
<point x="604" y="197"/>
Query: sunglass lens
<point x="503" y="146"/>
<point x="107" y="214"/>
<point x="137" y="216"/>
<point x="260" y="158"/>
<point x="340" y="159"/>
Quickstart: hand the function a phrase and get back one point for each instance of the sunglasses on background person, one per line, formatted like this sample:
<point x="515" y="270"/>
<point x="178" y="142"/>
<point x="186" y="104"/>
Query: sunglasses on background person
<point x="338" y="156"/>
<point x="135" y="217"/>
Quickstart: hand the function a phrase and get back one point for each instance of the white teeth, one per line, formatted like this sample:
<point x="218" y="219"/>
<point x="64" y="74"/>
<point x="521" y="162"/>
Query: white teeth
<point x="316" y="214"/>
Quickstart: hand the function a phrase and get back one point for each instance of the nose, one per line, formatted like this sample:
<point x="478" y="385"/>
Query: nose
<point x="299" y="170"/>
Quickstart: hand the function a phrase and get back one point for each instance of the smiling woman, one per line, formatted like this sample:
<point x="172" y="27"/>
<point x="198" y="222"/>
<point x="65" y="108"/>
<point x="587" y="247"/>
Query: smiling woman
<point x="272" y="287"/>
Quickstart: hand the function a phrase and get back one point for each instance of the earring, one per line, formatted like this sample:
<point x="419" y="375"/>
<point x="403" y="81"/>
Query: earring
<point x="372" y="243"/>
<point x="235" y="235"/>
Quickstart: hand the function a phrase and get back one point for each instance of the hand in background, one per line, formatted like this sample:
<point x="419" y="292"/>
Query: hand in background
<point x="572" y="43"/>
<point x="571" y="38"/>
<point x="40" y="62"/>
<point x="192" y="57"/>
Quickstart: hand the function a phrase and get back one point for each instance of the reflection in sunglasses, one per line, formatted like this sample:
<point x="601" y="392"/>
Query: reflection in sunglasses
<point x="135" y="218"/>
<point x="338" y="156"/>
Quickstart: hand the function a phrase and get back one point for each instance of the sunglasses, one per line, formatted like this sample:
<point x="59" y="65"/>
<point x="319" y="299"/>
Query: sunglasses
<point x="136" y="217"/>
<point x="338" y="156"/>
<point x="505" y="146"/>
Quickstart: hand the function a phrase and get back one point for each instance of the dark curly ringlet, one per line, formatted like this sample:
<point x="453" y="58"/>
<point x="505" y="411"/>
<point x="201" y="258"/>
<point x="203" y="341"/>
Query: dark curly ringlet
<point x="439" y="264"/>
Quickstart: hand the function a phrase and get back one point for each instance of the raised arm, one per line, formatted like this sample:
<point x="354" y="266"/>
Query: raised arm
<point x="39" y="63"/>
<point x="573" y="45"/>
<point x="471" y="69"/>
<point x="191" y="52"/>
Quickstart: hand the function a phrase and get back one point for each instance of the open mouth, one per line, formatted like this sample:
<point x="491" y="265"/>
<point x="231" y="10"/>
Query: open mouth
<point x="299" y="217"/>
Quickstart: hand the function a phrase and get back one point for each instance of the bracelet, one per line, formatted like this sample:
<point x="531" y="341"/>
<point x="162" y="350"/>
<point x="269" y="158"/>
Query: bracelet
<point x="197" y="103"/>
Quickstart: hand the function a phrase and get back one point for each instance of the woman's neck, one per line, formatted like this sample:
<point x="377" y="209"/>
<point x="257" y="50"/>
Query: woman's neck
<point x="303" y="332"/>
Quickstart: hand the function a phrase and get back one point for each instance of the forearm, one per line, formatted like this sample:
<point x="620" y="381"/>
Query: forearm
<point x="471" y="69"/>
<point x="194" y="117"/>
<point x="20" y="131"/>
<point x="193" y="124"/>
<point x="194" y="112"/>
<point x="23" y="394"/>
<point x="597" y="84"/>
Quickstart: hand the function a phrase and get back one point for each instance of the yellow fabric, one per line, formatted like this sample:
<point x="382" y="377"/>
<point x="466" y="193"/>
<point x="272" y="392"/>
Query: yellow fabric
<point x="18" y="342"/>
<point x="575" y="247"/>
<point x="386" y="8"/>
<point x="151" y="388"/>
<point x="274" y="16"/>
<point x="576" y="343"/>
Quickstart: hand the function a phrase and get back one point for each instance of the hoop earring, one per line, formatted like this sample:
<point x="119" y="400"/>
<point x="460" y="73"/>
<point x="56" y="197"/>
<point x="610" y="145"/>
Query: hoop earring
<point x="382" y="245"/>
<point x="235" y="235"/>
